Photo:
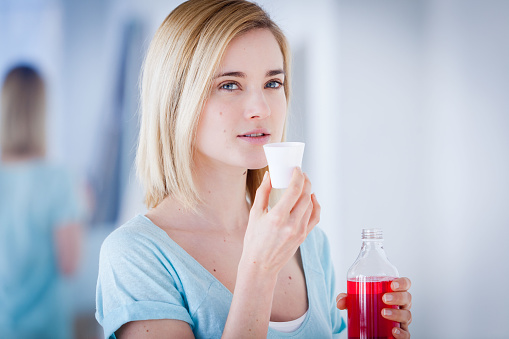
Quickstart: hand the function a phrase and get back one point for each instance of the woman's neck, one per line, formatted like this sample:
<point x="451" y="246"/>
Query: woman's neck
<point x="223" y="194"/>
<point x="223" y="205"/>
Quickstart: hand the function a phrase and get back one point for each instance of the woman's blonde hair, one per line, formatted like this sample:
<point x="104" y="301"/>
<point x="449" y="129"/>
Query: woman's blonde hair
<point x="181" y="62"/>
<point x="23" y="113"/>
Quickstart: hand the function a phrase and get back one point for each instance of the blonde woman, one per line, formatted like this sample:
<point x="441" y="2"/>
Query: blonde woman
<point x="210" y="259"/>
<point x="40" y="213"/>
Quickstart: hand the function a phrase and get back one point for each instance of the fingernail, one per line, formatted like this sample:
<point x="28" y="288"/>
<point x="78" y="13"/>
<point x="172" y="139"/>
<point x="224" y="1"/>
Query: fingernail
<point x="395" y="285"/>
<point x="396" y="331"/>
<point x="387" y="311"/>
<point x="338" y="298"/>
<point x="388" y="297"/>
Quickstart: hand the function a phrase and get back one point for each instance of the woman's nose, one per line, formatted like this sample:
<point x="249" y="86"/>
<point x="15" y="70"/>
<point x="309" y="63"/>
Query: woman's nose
<point x="256" y="105"/>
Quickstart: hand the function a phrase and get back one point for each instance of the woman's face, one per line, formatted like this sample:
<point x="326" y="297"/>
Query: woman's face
<point x="247" y="105"/>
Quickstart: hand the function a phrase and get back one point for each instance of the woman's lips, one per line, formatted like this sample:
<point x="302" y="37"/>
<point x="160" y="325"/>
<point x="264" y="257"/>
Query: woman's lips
<point x="255" y="138"/>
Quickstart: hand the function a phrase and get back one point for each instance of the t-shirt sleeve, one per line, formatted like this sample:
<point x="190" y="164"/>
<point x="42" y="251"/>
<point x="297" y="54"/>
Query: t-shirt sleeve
<point x="338" y="323"/>
<point x="134" y="284"/>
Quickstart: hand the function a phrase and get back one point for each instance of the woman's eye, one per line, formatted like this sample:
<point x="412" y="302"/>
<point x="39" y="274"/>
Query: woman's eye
<point x="230" y="86"/>
<point x="274" y="84"/>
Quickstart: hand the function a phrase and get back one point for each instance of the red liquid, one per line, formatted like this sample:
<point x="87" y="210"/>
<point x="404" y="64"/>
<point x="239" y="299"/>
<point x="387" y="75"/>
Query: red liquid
<point x="365" y="306"/>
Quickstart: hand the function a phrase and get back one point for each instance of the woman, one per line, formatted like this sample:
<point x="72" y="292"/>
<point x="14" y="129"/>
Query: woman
<point x="40" y="233"/>
<point x="205" y="261"/>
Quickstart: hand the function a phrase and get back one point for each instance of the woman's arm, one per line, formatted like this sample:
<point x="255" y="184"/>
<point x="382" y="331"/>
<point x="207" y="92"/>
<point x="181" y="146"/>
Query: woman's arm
<point x="163" y="328"/>
<point x="248" y="316"/>
<point x="271" y="240"/>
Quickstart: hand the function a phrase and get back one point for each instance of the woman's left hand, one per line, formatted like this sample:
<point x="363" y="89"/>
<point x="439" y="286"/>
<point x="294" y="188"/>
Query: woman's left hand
<point x="400" y="297"/>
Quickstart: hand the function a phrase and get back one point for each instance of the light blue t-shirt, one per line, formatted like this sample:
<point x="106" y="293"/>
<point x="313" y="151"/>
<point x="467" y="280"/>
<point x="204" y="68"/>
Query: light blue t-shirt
<point x="144" y="274"/>
<point x="35" y="199"/>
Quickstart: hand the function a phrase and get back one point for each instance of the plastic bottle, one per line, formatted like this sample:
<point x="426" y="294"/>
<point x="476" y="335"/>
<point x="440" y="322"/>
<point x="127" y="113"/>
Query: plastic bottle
<point x="368" y="280"/>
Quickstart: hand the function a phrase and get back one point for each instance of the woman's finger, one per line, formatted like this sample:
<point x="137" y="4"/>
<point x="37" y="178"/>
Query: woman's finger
<point x="302" y="205"/>
<point x="261" y="201"/>
<point x="398" y="298"/>
<point x="291" y="194"/>
<point x="306" y="217"/>
<point x="401" y="284"/>
<point x="398" y="315"/>
<point x="400" y="333"/>
<point x="315" y="215"/>
<point x="341" y="301"/>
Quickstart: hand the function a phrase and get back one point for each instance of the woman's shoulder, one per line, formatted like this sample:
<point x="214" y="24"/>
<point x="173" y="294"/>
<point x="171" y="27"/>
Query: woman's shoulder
<point x="139" y="231"/>
<point x="137" y="245"/>
<point x="140" y="241"/>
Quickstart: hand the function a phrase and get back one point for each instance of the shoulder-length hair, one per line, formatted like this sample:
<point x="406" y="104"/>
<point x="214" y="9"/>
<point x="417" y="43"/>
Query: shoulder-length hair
<point x="23" y="113"/>
<point x="181" y="61"/>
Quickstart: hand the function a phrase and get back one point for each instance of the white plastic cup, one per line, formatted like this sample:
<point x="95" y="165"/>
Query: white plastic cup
<point x="283" y="157"/>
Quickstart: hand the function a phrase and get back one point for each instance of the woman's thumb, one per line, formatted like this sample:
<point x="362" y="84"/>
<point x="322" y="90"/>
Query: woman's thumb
<point x="261" y="201"/>
<point x="341" y="301"/>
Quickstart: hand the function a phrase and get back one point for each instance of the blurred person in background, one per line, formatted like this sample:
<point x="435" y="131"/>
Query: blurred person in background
<point x="40" y="214"/>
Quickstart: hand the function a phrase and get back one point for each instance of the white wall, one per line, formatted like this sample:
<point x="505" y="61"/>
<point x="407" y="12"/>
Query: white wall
<point x="468" y="84"/>
<point x="381" y="139"/>
<point x="407" y="119"/>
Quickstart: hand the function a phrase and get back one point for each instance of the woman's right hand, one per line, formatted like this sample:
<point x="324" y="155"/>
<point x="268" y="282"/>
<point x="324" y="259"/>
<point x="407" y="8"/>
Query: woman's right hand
<point x="272" y="237"/>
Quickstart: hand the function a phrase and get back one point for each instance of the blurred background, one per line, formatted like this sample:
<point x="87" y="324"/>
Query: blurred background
<point x="404" y="106"/>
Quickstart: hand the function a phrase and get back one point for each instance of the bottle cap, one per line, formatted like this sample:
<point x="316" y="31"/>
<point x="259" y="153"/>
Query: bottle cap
<point x="372" y="234"/>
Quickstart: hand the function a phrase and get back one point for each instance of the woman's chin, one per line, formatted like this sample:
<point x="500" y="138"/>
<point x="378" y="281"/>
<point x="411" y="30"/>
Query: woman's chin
<point x="254" y="165"/>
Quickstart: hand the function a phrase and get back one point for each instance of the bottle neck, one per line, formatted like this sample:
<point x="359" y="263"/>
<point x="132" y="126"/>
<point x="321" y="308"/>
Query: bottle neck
<point x="372" y="239"/>
<point x="372" y="261"/>
<point x="372" y="246"/>
<point x="372" y="243"/>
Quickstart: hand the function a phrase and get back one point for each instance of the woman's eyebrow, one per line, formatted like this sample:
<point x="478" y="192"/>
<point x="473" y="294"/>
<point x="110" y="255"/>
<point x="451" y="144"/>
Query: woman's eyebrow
<point x="237" y="74"/>
<point x="275" y="72"/>
<point x="231" y="74"/>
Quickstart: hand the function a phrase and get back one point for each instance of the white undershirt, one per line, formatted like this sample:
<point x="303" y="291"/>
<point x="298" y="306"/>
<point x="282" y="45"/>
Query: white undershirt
<point x="288" y="326"/>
